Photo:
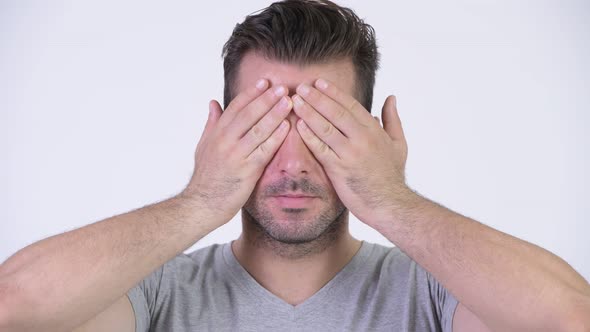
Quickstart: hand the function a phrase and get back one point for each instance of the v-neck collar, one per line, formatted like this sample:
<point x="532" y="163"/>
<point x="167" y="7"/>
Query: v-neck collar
<point x="338" y="281"/>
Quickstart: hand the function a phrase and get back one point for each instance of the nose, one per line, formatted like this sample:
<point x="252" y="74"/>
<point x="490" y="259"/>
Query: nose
<point x="293" y="158"/>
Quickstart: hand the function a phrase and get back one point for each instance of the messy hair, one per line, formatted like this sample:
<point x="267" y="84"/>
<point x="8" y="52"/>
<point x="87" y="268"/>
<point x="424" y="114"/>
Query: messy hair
<point x="305" y="32"/>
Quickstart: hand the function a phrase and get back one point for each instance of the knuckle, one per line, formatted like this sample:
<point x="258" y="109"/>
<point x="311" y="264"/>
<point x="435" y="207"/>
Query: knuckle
<point x="327" y="129"/>
<point x="354" y="105"/>
<point x="263" y="148"/>
<point x="255" y="160"/>
<point x="322" y="147"/>
<point x="267" y="147"/>
<point x="259" y="156"/>
<point x="256" y="133"/>
<point x="340" y="113"/>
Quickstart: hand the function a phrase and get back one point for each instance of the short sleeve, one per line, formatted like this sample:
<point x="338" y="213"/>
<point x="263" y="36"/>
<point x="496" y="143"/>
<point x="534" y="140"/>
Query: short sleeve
<point x="143" y="299"/>
<point x="444" y="302"/>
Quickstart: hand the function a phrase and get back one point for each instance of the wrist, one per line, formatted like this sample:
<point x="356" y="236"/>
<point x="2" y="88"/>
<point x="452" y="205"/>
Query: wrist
<point x="201" y="210"/>
<point x="402" y="202"/>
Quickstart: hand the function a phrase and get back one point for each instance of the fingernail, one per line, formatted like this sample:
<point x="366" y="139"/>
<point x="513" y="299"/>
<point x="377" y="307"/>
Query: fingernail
<point x="279" y="90"/>
<point x="284" y="103"/>
<point x="283" y="125"/>
<point x="298" y="101"/>
<point x="321" y="84"/>
<point x="261" y="84"/>
<point x="301" y="124"/>
<point x="303" y="89"/>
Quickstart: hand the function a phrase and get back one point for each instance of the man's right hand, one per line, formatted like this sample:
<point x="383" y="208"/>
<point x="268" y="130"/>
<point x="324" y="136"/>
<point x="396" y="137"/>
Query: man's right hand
<point x="236" y="146"/>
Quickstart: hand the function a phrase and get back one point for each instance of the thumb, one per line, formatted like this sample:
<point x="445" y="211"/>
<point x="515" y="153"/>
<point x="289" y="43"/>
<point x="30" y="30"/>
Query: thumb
<point x="391" y="121"/>
<point x="214" y="114"/>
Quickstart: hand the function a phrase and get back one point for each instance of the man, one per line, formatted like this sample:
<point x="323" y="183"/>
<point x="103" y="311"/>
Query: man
<point x="295" y="150"/>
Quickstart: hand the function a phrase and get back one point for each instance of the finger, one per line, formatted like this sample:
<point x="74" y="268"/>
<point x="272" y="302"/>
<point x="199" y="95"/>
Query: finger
<point x="337" y="114"/>
<point x="323" y="153"/>
<point x="254" y="111"/>
<point x="391" y="121"/>
<point x="267" y="149"/>
<point x="378" y="120"/>
<point x="320" y="126"/>
<point x="344" y="99"/>
<point x="243" y="99"/>
<point x="214" y="114"/>
<point x="265" y="127"/>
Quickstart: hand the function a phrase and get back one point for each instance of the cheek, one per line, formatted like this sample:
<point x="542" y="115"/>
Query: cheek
<point x="325" y="180"/>
<point x="265" y="179"/>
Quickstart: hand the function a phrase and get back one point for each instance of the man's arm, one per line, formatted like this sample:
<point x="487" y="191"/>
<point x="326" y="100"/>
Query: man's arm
<point x="63" y="281"/>
<point x="507" y="283"/>
<point x="60" y="282"/>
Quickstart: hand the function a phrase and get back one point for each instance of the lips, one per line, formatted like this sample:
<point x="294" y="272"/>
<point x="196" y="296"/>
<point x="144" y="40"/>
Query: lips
<point x="293" y="200"/>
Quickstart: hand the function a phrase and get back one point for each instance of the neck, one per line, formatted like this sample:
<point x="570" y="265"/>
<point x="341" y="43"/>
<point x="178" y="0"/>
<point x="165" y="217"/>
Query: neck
<point x="294" y="272"/>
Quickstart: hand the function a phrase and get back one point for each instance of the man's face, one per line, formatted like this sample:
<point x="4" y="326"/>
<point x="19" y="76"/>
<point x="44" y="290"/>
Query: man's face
<point x="294" y="170"/>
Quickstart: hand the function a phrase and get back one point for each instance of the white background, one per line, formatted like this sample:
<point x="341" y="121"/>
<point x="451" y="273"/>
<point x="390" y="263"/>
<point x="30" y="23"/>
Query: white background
<point x="102" y="105"/>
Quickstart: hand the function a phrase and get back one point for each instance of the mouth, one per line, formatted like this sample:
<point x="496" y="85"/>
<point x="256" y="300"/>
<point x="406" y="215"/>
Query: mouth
<point x="293" y="200"/>
<point x="295" y="196"/>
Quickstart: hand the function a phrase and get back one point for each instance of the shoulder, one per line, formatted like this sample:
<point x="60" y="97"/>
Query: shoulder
<point x="181" y="287"/>
<point x="204" y="266"/>
<point x="206" y="254"/>
<point x="391" y="268"/>
<point x="390" y="259"/>
<point x="197" y="263"/>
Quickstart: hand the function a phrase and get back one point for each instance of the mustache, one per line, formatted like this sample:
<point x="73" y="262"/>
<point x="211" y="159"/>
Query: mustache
<point x="303" y="186"/>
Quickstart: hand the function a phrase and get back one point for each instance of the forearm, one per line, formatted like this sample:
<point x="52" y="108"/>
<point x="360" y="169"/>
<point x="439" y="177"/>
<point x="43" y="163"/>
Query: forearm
<point x="61" y="281"/>
<point x="506" y="282"/>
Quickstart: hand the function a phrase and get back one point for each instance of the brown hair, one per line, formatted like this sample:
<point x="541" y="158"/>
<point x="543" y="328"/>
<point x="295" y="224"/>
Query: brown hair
<point x="305" y="32"/>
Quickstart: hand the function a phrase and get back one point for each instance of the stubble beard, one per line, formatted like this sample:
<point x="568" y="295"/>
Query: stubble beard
<point x="301" y="235"/>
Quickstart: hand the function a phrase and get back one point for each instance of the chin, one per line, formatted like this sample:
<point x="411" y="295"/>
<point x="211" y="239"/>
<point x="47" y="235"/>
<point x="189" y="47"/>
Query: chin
<point x="294" y="225"/>
<point x="290" y="232"/>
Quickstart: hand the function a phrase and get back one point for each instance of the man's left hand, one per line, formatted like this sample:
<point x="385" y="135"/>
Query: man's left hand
<point x="364" y="161"/>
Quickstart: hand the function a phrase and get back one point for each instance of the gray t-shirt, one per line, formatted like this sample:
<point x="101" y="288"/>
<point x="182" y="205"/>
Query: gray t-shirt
<point x="380" y="289"/>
